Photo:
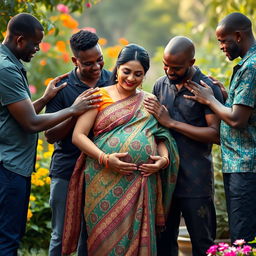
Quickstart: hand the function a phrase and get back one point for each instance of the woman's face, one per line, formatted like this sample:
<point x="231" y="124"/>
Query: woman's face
<point x="130" y="75"/>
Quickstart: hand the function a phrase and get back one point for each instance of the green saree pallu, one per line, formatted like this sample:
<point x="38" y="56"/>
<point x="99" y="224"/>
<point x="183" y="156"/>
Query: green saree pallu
<point x="122" y="212"/>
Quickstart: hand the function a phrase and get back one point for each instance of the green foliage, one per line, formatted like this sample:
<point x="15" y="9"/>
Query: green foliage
<point x="39" y="214"/>
<point x="40" y="9"/>
<point x="219" y="197"/>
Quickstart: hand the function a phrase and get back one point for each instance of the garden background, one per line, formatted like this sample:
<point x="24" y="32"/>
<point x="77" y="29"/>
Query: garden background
<point x="150" y="23"/>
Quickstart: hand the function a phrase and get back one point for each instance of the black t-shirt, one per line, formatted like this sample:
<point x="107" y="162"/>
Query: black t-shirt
<point x="195" y="177"/>
<point x="65" y="152"/>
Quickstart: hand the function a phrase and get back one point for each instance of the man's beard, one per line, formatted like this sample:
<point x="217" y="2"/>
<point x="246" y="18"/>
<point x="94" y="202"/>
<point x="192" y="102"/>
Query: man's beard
<point x="179" y="79"/>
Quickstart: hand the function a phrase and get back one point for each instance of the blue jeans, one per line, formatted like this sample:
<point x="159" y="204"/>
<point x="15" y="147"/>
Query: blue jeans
<point x="58" y="194"/>
<point x="14" y="199"/>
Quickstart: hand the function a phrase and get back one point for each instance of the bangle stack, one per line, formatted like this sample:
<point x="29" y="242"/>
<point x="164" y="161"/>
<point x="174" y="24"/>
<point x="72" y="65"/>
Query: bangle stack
<point x="167" y="162"/>
<point x="103" y="159"/>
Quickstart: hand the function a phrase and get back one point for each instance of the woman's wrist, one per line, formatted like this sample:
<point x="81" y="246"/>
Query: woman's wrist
<point x="167" y="162"/>
<point x="104" y="159"/>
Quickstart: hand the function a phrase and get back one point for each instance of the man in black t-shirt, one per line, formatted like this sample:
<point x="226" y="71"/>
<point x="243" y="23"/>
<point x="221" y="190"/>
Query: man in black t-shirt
<point x="88" y="73"/>
<point x="195" y="127"/>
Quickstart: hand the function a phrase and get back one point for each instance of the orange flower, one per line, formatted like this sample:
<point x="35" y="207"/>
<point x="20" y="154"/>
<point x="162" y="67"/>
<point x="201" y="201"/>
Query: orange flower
<point x="47" y="81"/>
<point x="42" y="62"/>
<point x="114" y="51"/>
<point x="123" y="41"/>
<point x="4" y="34"/>
<point x="65" y="56"/>
<point x="45" y="47"/>
<point x="61" y="46"/>
<point x="68" y="21"/>
<point x="51" y="31"/>
<point x="102" y="41"/>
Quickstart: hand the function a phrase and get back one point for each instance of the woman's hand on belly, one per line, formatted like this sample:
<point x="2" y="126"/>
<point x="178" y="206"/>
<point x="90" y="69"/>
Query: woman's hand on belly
<point x="116" y="164"/>
<point x="150" y="168"/>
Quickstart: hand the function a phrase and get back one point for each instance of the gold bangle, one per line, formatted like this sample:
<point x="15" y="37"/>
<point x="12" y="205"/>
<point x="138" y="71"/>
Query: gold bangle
<point x="167" y="162"/>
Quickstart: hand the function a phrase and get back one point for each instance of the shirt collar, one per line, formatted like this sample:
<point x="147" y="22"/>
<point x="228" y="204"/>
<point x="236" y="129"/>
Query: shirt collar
<point x="73" y="79"/>
<point x="4" y="49"/>
<point x="248" y="54"/>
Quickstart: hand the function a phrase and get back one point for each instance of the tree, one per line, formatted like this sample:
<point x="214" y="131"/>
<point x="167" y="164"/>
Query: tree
<point x="39" y="9"/>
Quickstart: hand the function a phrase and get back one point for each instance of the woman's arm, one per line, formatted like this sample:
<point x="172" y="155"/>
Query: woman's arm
<point x="80" y="139"/>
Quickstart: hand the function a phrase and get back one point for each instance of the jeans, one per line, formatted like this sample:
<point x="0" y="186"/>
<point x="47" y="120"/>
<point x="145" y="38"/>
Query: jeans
<point x="200" y="218"/>
<point x="14" y="199"/>
<point x="58" y="194"/>
<point x="240" y="190"/>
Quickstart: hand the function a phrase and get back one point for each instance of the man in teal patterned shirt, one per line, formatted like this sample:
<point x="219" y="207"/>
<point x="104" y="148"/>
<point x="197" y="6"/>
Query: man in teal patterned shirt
<point x="238" y="126"/>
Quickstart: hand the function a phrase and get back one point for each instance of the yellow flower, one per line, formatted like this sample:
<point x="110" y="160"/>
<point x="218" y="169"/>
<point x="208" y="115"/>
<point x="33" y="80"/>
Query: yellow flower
<point x="37" y="165"/>
<point x="47" y="81"/>
<point x="102" y="41"/>
<point x="40" y="142"/>
<point x="42" y="172"/>
<point x="50" y="147"/>
<point x="123" y="41"/>
<point x="47" y="180"/>
<point x="29" y="214"/>
<point x="47" y="154"/>
<point x="32" y="198"/>
<point x="40" y="148"/>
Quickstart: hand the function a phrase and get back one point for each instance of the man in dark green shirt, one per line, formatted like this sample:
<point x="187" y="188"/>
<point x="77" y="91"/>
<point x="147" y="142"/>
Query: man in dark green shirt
<point x="19" y="124"/>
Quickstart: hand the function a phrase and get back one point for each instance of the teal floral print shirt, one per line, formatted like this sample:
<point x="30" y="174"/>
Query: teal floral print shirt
<point x="239" y="145"/>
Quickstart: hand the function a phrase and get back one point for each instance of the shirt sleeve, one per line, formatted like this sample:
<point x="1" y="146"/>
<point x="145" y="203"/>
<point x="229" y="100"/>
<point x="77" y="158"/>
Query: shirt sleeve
<point x="155" y="90"/>
<point x="13" y="88"/>
<point x="217" y="94"/>
<point x="55" y="104"/>
<point x="245" y="91"/>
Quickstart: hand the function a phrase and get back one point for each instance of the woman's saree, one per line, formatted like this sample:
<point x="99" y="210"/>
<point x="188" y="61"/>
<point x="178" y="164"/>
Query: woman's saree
<point x="122" y="212"/>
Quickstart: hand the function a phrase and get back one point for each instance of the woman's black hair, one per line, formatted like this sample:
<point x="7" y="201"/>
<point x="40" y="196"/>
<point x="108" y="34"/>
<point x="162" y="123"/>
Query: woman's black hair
<point x="129" y="53"/>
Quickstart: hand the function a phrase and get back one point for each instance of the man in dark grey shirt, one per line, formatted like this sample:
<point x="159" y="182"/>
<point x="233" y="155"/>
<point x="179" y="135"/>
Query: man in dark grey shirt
<point x="194" y="127"/>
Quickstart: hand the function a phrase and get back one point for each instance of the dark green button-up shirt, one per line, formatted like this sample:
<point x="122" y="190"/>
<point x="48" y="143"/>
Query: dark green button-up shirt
<point x="17" y="147"/>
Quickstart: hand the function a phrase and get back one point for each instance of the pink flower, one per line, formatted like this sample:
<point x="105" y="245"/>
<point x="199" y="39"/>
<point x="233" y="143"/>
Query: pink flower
<point x="62" y="8"/>
<point x="223" y="246"/>
<point x="246" y="249"/>
<point x="229" y="254"/>
<point x="93" y="30"/>
<point x="88" y="5"/>
<point x="239" y="242"/>
<point x="212" y="250"/>
<point x="32" y="89"/>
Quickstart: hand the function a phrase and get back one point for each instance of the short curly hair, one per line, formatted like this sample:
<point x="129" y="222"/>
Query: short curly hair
<point x="83" y="40"/>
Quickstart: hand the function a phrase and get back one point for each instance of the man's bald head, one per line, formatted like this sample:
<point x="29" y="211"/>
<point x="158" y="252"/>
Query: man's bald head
<point x="180" y="45"/>
<point x="235" y="22"/>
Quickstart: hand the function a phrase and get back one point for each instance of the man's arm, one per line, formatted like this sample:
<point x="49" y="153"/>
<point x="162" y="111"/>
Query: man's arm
<point x="24" y="113"/>
<point x="237" y="116"/>
<point x="208" y="134"/>
<point x="61" y="130"/>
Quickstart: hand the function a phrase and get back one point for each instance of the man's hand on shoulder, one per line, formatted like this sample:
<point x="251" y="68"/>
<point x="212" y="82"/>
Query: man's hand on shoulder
<point x="159" y="111"/>
<point x="52" y="89"/>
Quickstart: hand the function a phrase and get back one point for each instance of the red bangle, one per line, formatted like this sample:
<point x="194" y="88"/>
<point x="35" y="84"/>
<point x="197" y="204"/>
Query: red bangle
<point x="106" y="163"/>
<point x="100" y="158"/>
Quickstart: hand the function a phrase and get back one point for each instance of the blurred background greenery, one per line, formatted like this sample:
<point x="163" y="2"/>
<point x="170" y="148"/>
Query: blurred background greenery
<point x="150" y="23"/>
